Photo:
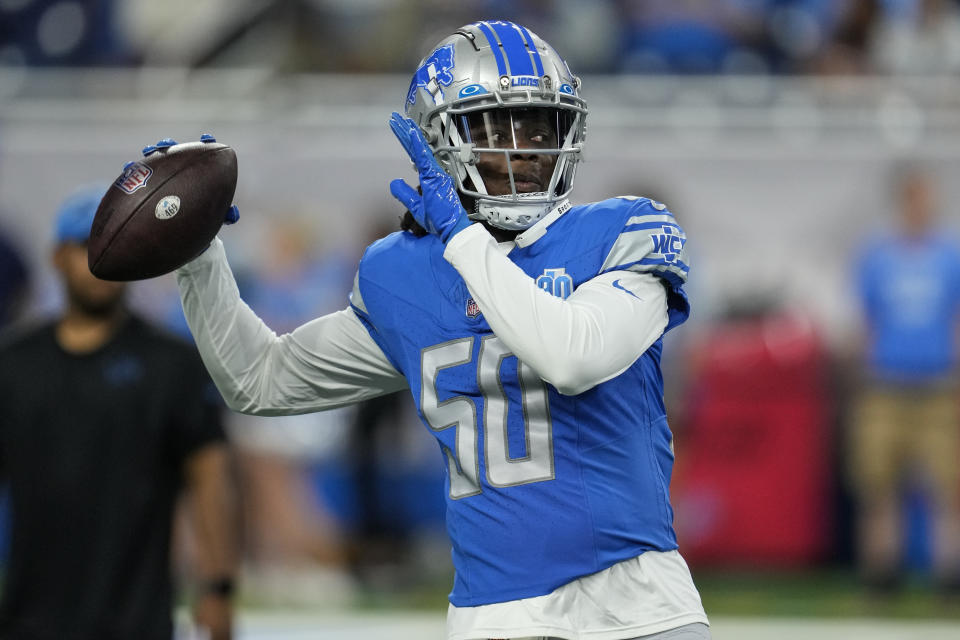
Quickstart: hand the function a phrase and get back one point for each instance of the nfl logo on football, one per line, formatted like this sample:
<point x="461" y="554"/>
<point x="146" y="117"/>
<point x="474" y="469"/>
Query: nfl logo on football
<point x="134" y="176"/>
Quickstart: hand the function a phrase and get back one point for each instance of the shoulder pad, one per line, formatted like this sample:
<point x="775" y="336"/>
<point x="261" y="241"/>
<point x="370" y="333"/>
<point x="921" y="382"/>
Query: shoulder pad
<point x="649" y="241"/>
<point x="395" y="268"/>
<point x="373" y="257"/>
<point x="643" y="203"/>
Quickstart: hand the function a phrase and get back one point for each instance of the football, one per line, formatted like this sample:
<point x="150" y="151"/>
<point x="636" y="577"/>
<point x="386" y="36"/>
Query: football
<point x="163" y="210"/>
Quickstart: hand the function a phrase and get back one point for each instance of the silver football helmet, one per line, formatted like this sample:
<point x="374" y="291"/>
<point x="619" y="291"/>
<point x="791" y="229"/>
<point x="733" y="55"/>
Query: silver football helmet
<point x="503" y="114"/>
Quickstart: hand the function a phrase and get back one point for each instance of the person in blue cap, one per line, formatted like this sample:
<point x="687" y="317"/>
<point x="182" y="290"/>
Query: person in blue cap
<point x="103" y="419"/>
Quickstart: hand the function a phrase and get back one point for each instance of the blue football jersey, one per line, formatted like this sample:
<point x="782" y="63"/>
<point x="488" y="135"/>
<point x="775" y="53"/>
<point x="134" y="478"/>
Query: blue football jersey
<point x="541" y="488"/>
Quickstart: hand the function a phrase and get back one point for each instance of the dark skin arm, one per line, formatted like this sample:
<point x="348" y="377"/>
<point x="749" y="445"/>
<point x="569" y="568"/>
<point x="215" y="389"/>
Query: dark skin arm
<point x="213" y="516"/>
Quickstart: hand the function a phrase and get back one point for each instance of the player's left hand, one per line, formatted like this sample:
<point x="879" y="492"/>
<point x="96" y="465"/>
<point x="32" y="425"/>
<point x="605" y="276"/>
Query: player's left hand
<point x="438" y="209"/>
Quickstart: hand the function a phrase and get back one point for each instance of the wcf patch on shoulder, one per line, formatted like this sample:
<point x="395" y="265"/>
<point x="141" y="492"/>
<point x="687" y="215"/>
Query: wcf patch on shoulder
<point x="668" y="242"/>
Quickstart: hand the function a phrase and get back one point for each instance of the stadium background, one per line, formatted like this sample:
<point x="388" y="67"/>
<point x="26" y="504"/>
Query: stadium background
<point x="770" y="127"/>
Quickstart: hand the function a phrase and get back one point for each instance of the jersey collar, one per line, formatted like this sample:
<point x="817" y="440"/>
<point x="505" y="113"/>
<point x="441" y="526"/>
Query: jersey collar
<point x="539" y="229"/>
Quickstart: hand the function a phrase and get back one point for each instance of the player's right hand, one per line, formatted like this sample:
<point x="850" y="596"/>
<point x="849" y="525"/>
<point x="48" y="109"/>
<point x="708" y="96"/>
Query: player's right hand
<point x="233" y="214"/>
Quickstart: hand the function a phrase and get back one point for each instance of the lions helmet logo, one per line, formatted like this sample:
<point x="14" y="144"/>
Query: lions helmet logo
<point x="434" y="70"/>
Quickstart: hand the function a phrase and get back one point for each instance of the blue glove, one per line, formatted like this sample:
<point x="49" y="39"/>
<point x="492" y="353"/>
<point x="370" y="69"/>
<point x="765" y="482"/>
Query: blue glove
<point x="438" y="210"/>
<point x="233" y="214"/>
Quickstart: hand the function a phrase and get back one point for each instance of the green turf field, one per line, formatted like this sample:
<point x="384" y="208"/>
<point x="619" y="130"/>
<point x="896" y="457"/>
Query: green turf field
<point x="824" y="593"/>
<point x="742" y="605"/>
<point x="821" y="594"/>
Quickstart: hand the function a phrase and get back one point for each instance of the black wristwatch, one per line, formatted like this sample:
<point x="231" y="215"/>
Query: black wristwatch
<point x="222" y="587"/>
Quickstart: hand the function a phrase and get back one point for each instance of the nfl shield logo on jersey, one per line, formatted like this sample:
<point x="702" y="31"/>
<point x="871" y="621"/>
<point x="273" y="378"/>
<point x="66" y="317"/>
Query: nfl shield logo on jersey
<point x="473" y="309"/>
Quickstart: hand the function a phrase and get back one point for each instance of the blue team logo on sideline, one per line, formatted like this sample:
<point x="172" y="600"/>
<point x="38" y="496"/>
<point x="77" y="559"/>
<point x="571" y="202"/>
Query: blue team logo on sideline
<point x="436" y="67"/>
<point x="669" y="243"/>
<point x="556" y="282"/>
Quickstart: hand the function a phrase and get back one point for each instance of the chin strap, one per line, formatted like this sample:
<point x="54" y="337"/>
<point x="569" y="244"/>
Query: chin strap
<point x="539" y="229"/>
<point x="514" y="215"/>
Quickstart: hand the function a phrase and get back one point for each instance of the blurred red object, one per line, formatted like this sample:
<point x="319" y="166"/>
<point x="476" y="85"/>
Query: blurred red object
<point x="751" y="485"/>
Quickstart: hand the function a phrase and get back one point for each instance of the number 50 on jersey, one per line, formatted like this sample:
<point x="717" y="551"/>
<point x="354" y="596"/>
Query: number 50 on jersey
<point x="460" y="413"/>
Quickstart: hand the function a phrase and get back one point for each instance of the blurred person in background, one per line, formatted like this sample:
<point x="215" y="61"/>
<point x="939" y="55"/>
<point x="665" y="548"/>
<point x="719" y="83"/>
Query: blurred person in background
<point x="846" y="47"/>
<point x="529" y="334"/>
<point x="906" y="425"/>
<point x="920" y="37"/>
<point x="14" y="272"/>
<point x="378" y="539"/>
<point x="103" y="420"/>
<point x="689" y="36"/>
<point x="378" y="542"/>
<point x="54" y="33"/>
<point x="14" y="280"/>
<point x="295" y="551"/>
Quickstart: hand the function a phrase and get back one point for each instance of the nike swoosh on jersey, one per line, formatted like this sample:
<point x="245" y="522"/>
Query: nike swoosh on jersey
<point x="617" y="284"/>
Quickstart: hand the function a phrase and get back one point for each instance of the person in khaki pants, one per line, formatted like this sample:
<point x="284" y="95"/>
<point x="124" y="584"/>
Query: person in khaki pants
<point x="906" y="421"/>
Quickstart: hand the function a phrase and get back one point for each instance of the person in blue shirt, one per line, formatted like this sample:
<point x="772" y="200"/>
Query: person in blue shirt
<point x="529" y="333"/>
<point x="906" y="422"/>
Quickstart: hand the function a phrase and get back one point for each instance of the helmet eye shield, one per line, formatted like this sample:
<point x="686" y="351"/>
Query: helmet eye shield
<point x="531" y="128"/>
<point x="503" y="142"/>
<point x="514" y="153"/>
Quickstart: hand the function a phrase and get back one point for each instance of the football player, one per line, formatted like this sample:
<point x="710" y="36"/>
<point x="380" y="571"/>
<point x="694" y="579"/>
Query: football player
<point x="529" y="333"/>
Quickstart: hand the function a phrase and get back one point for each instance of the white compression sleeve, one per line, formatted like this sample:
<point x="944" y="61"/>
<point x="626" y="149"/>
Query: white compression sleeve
<point x="328" y="362"/>
<point x="573" y="344"/>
